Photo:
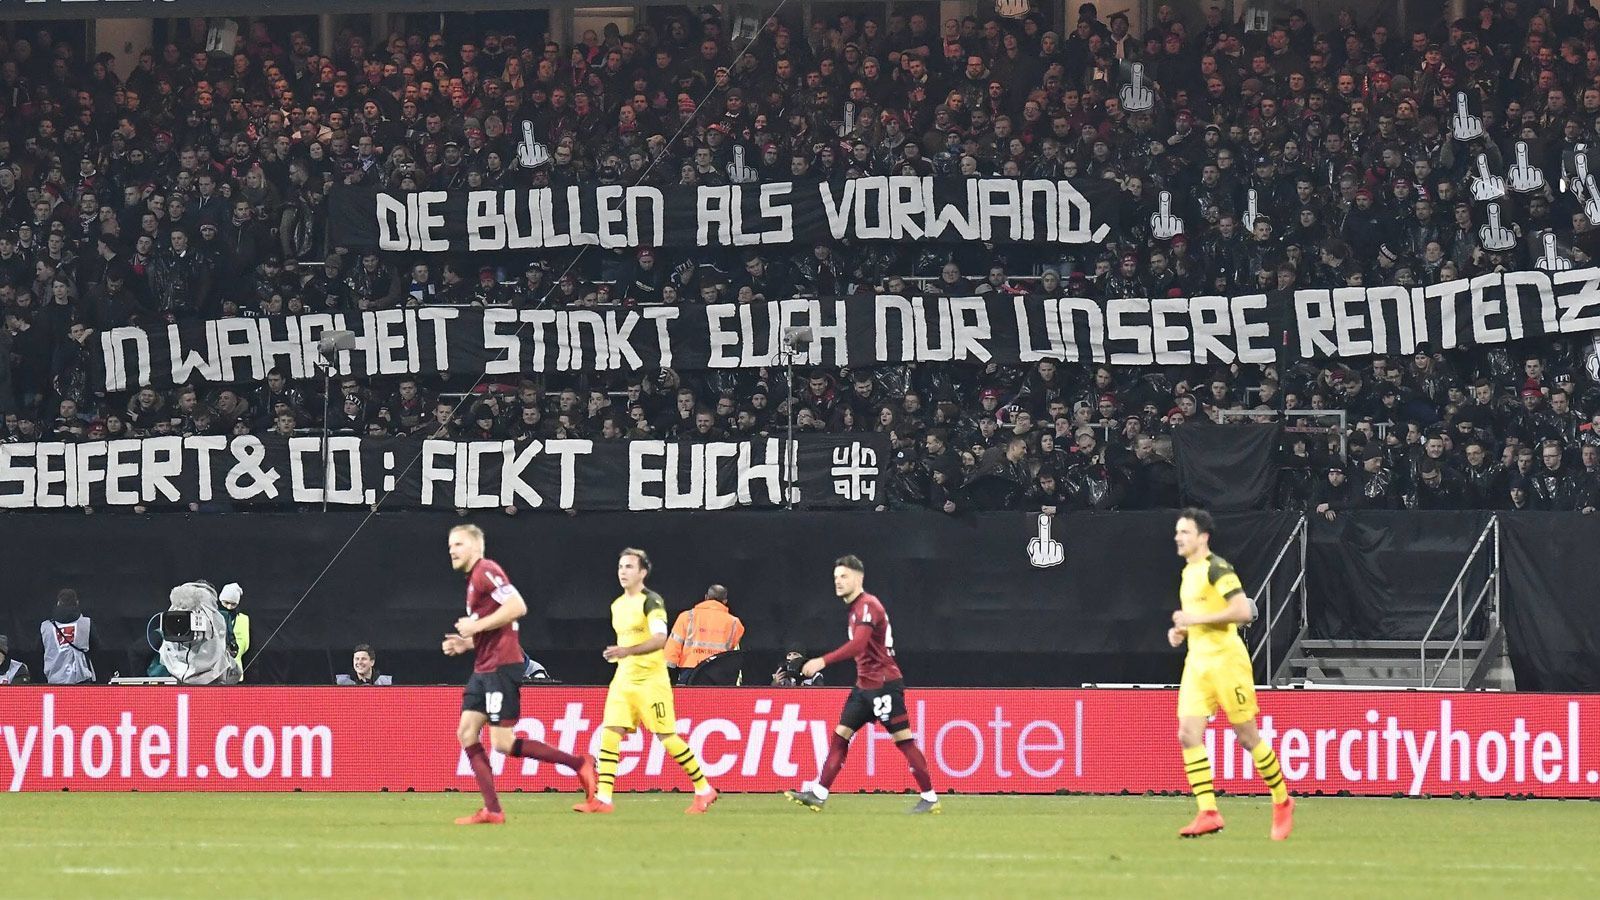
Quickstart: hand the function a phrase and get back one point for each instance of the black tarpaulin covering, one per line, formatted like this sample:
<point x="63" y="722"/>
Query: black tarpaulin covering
<point x="1383" y="575"/>
<point x="1551" y="599"/>
<point x="1226" y="467"/>
<point x="968" y="608"/>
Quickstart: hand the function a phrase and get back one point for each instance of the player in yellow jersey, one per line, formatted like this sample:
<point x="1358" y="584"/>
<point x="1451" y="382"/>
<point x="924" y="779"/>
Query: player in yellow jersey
<point x="640" y="691"/>
<point x="1217" y="673"/>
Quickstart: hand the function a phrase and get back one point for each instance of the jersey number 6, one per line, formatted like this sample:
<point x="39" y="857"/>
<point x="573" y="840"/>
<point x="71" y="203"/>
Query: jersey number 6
<point x="1238" y="694"/>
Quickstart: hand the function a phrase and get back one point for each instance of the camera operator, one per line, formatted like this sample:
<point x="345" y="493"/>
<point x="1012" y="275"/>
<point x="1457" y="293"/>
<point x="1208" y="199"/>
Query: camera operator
<point x="788" y="675"/>
<point x="236" y="622"/>
<point x="12" y="671"/>
<point x="68" y="636"/>
<point x="196" y="645"/>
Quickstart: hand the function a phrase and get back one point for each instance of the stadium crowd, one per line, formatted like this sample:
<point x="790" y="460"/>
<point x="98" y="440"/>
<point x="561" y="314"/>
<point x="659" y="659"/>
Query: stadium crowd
<point x="195" y="186"/>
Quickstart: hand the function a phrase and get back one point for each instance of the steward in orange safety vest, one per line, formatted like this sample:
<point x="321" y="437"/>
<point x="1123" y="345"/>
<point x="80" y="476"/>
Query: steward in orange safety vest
<point x="704" y="631"/>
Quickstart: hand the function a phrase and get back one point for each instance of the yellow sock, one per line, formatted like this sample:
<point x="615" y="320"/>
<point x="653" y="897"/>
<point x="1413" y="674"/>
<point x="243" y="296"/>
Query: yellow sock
<point x="606" y="768"/>
<point x="684" y="756"/>
<point x="1271" y="772"/>
<point x="1198" y="767"/>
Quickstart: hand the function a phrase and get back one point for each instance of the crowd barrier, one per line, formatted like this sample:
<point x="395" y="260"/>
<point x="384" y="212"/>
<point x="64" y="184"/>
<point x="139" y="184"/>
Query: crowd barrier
<point x="1378" y="743"/>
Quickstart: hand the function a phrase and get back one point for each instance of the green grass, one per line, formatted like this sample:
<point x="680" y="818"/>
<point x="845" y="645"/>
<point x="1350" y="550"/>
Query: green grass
<point x="404" y="845"/>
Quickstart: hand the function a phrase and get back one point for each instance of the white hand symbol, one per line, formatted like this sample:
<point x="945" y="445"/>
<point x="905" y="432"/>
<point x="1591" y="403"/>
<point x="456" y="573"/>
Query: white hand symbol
<point x="1523" y="177"/>
<point x="1163" y="224"/>
<point x="1487" y="186"/>
<point x="1494" y="236"/>
<point x="1250" y="210"/>
<point x="1045" y="551"/>
<point x="1136" y="95"/>
<point x="1464" y="124"/>
<point x="738" y="172"/>
<point x="1580" y="170"/>
<point x="1591" y="202"/>
<point x="849" y="122"/>
<point x="1551" y="260"/>
<point x="530" y="153"/>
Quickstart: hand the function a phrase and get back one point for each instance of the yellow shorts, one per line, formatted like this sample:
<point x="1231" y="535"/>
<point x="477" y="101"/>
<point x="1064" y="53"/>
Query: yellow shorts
<point x="630" y="705"/>
<point x="1225" y="681"/>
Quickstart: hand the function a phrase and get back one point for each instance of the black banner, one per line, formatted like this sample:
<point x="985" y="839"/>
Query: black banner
<point x="1489" y="309"/>
<point x="846" y="331"/>
<point x="880" y="207"/>
<point x="826" y="471"/>
<point x="868" y="330"/>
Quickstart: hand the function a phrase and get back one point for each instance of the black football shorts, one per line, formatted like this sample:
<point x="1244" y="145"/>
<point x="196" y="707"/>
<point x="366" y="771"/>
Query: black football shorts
<point x="885" y="705"/>
<point x="496" y="694"/>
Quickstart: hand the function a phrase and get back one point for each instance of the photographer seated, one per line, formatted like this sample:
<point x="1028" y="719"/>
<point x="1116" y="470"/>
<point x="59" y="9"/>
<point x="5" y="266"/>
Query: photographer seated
<point x="703" y="631"/>
<point x="364" y="670"/>
<point x="196" y="644"/>
<point x="789" y="674"/>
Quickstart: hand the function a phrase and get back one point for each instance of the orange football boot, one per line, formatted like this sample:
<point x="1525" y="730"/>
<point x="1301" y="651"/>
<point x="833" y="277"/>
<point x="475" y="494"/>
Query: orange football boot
<point x="1207" y="822"/>
<point x="702" y="803"/>
<point x="1282" y="819"/>
<point x="586" y="778"/>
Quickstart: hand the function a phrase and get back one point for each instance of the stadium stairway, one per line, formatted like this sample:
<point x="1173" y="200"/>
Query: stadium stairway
<point x="1463" y="648"/>
<point x="1474" y="665"/>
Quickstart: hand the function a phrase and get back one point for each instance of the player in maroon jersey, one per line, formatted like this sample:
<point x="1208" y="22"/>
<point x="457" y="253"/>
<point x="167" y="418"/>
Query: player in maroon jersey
<point x="493" y="694"/>
<point x="879" y="694"/>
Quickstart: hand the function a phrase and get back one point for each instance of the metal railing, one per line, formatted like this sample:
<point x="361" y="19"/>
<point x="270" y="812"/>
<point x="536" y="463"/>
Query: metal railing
<point x="1339" y="414"/>
<point x="1273" y="612"/>
<point x="1464" y="616"/>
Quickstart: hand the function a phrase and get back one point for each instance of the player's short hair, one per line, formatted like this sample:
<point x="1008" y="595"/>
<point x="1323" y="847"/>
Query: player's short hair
<point x="475" y="531"/>
<point x="1203" y="523"/>
<point x="852" y="562"/>
<point x="636" y="553"/>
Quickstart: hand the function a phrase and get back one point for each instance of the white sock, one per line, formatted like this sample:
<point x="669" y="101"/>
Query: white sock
<point x="820" y="791"/>
<point x="701" y="793"/>
<point x="930" y="796"/>
<point x="603" y="795"/>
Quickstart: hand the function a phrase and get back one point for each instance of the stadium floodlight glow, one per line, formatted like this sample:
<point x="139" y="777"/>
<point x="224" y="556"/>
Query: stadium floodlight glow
<point x="797" y="337"/>
<point x="334" y="342"/>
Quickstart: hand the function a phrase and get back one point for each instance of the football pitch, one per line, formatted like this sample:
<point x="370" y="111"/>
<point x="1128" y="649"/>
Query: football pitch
<point x="404" y="845"/>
